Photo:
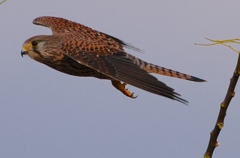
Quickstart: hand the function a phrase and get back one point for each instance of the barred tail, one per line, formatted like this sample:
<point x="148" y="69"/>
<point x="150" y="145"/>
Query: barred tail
<point x="168" y="72"/>
<point x="151" y="68"/>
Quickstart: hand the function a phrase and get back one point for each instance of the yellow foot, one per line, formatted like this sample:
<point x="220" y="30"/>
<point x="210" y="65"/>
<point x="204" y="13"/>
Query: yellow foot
<point x="121" y="87"/>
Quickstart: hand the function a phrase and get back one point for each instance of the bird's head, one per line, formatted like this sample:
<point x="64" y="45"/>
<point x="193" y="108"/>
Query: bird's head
<point x="39" y="48"/>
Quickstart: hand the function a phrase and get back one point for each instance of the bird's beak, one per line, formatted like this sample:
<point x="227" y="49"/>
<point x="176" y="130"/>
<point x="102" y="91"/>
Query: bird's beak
<point x="24" y="51"/>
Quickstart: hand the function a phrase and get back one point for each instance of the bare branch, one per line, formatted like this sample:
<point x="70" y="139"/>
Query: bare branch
<point x="213" y="143"/>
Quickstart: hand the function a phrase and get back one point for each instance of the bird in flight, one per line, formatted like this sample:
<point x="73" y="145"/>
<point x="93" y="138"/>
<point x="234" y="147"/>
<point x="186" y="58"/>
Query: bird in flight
<point x="78" y="50"/>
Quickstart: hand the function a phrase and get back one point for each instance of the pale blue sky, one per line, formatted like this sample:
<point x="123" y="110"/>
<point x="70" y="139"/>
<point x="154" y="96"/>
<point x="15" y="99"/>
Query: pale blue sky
<point x="45" y="113"/>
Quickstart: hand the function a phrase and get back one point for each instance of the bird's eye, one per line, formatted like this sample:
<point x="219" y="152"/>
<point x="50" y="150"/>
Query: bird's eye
<point x="34" y="43"/>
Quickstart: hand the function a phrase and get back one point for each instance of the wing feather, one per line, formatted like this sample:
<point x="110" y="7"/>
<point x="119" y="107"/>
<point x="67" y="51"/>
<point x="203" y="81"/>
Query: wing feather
<point x="63" y="26"/>
<point x="119" y="67"/>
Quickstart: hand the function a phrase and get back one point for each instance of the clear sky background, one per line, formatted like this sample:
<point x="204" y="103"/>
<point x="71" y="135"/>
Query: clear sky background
<point x="45" y="113"/>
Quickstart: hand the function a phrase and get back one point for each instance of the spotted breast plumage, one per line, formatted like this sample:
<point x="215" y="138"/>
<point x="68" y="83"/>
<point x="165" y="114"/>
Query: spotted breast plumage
<point x="78" y="50"/>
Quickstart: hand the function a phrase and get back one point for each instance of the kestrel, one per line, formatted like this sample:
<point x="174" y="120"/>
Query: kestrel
<point x="78" y="50"/>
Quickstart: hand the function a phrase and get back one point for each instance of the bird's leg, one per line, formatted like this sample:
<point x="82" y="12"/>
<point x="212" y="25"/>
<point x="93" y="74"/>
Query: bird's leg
<point x="121" y="87"/>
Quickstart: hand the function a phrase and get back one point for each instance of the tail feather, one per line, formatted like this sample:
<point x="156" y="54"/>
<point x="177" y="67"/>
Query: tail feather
<point x="151" y="68"/>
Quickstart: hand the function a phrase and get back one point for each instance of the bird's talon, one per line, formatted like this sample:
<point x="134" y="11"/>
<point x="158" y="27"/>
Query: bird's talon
<point x="132" y="96"/>
<point x="121" y="87"/>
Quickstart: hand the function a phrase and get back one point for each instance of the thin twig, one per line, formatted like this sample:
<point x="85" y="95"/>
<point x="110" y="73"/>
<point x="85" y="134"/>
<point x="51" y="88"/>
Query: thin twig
<point x="3" y="2"/>
<point x="213" y="143"/>
<point x="223" y="42"/>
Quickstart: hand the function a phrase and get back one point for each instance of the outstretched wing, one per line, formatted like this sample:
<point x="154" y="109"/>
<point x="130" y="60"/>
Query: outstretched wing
<point x="60" y="26"/>
<point x="105" y="55"/>
<point x="119" y="67"/>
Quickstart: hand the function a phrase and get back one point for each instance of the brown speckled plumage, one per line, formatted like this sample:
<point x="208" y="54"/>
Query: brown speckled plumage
<point x="81" y="51"/>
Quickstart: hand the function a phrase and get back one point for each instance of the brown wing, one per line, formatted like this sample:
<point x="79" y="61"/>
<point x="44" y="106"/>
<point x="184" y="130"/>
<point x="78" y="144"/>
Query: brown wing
<point x="105" y="55"/>
<point x="61" y="26"/>
<point x="119" y="67"/>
